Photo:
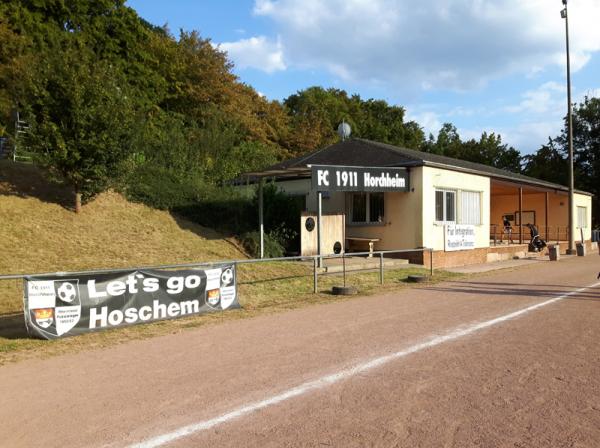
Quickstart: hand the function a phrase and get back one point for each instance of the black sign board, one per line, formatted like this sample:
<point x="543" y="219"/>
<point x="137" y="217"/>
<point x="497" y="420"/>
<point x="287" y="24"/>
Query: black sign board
<point x="68" y="305"/>
<point x="352" y="178"/>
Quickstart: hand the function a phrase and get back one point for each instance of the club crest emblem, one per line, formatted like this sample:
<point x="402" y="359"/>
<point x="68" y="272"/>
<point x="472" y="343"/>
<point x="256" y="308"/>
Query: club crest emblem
<point x="54" y="306"/>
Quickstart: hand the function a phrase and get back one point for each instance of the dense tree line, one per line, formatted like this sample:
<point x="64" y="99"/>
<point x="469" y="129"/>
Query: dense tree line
<point x="113" y="100"/>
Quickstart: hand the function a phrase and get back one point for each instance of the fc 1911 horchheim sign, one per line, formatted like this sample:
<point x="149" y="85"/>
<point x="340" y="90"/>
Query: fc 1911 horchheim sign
<point x="351" y="178"/>
<point x="69" y="305"/>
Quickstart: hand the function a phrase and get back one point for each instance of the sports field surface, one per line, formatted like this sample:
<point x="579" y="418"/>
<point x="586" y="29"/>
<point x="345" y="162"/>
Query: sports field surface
<point x="504" y="359"/>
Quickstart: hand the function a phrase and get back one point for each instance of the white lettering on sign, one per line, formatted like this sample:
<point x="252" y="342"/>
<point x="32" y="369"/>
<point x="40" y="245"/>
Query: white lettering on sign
<point x="344" y="178"/>
<point x="322" y="177"/>
<point x="384" y="180"/>
<point x="175" y="285"/>
<point x="103" y="318"/>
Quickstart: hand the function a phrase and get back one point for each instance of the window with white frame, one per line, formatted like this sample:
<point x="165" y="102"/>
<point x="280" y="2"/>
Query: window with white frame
<point x="470" y="207"/>
<point x="582" y="217"/>
<point x="366" y="208"/>
<point x="445" y="206"/>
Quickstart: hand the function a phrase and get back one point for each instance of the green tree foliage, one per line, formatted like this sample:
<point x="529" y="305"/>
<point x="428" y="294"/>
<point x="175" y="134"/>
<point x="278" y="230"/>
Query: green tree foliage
<point x="550" y="162"/>
<point x="316" y="113"/>
<point x="547" y="163"/>
<point x="110" y="97"/>
<point x="488" y="150"/>
<point x="79" y="117"/>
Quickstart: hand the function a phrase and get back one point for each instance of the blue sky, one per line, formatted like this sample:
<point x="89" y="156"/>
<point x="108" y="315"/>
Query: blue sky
<point x="483" y="65"/>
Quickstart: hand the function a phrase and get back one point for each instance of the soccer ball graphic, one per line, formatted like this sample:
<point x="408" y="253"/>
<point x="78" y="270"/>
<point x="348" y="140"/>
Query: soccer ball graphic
<point x="226" y="277"/>
<point x="66" y="292"/>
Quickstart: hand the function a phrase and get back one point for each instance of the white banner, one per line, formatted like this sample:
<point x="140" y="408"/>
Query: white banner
<point x="459" y="237"/>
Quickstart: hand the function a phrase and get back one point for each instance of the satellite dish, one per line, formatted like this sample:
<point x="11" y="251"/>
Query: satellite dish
<point x="344" y="130"/>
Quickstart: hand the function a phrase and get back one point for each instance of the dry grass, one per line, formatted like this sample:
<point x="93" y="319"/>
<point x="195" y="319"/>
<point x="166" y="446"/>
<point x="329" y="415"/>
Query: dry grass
<point x="38" y="233"/>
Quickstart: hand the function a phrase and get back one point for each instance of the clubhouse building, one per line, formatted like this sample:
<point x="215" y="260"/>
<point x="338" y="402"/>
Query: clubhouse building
<point x="360" y="194"/>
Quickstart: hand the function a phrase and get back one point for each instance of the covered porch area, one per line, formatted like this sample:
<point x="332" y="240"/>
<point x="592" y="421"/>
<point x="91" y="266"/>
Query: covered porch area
<point x="520" y="204"/>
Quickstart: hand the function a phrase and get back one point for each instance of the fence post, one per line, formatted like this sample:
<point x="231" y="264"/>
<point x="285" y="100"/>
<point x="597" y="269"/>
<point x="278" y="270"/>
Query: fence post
<point x="315" y="278"/>
<point x="381" y="268"/>
<point x="431" y="262"/>
<point x="344" y="267"/>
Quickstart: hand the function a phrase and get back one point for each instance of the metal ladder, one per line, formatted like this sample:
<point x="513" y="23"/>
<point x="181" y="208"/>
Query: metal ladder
<point x="19" y="151"/>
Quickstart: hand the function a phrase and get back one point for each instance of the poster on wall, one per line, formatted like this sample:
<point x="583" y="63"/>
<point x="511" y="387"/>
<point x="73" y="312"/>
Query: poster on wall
<point x="62" y="306"/>
<point x="459" y="237"/>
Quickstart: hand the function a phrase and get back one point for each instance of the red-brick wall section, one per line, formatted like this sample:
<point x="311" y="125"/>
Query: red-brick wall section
<point x="442" y="259"/>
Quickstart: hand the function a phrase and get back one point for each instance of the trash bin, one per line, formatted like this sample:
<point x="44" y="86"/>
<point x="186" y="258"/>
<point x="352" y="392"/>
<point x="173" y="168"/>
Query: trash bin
<point x="596" y="235"/>
<point x="554" y="252"/>
<point x="580" y="249"/>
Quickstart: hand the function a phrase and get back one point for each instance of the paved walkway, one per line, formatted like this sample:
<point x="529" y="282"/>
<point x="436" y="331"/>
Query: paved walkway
<point x="486" y="267"/>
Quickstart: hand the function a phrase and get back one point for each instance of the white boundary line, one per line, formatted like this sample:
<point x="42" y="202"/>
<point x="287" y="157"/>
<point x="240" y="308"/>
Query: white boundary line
<point x="327" y="380"/>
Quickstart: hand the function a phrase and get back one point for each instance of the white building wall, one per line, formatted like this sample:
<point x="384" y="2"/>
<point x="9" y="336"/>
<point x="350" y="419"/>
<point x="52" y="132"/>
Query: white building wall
<point x="436" y="178"/>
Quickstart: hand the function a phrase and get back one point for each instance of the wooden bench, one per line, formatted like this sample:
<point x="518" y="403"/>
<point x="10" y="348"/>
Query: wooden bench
<point x="371" y="242"/>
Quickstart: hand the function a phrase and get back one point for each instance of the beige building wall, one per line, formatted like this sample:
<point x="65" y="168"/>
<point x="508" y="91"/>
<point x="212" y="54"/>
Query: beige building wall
<point x="435" y="178"/>
<point x="402" y="224"/>
<point x="401" y="228"/>
<point x="583" y="200"/>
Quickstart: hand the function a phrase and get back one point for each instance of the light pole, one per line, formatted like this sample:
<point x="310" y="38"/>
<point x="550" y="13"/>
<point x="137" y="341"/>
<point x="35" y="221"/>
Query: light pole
<point x="570" y="249"/>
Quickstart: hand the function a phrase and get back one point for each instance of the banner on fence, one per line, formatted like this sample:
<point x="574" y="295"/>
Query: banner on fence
<point x="74" y="304"/>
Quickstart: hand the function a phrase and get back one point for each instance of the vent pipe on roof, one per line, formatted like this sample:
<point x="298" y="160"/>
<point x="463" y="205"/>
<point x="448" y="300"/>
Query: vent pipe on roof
<point x="344" y="130"/>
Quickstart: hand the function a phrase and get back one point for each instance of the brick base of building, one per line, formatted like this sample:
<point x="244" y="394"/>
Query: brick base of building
<point x="443" y="259"/>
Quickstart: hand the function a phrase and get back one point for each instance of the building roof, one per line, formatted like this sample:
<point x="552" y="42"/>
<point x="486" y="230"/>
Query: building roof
<point x="367" y="153"/>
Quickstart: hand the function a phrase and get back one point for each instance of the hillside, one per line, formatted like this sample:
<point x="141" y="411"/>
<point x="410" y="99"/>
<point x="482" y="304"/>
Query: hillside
<point x="38" y="233"/>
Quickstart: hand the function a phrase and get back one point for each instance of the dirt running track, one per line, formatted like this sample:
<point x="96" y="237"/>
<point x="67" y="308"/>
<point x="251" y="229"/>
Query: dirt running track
<point x="532" y="380"/>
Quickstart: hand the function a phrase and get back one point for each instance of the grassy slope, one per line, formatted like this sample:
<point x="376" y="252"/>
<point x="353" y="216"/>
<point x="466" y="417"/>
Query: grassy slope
<point x="38" y="233"/>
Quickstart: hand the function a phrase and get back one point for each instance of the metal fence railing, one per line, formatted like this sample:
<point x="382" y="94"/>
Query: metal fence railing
<point x="316" y="261"/>
<point x="521" y="234"/>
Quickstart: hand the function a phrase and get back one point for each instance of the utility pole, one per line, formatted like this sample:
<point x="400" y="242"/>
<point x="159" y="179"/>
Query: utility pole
<point x="570" y="250"/>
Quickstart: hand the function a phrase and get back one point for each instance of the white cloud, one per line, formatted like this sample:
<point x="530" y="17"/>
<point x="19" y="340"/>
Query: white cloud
<point x="430" y="121"/>
<point x="529" y="136"/>
<point x="431" y="44"/>
<point x="256" y="52"/>
<point x="546" y="99"/>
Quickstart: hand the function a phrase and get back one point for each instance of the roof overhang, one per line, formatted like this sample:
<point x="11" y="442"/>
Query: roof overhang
<point x="540" y="185"/>
<point x="302" y="172"/>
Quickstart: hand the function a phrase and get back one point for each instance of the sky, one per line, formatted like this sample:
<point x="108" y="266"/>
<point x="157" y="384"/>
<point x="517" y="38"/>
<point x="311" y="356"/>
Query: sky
<point x="482" y="65"/>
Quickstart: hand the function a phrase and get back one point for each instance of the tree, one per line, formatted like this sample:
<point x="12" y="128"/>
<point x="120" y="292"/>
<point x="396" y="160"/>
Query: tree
<point x="488" y="150"/>
<point x="550" y="162"/>
<point x="547" y="163"/>
<point x="79" y="113"/>
<point x="316" y="113"/>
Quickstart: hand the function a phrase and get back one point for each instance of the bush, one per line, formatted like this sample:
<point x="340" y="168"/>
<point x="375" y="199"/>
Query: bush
<point x="224" y="208"/>
<point x="160" y="188"/>
<point x="251" y="242"/>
